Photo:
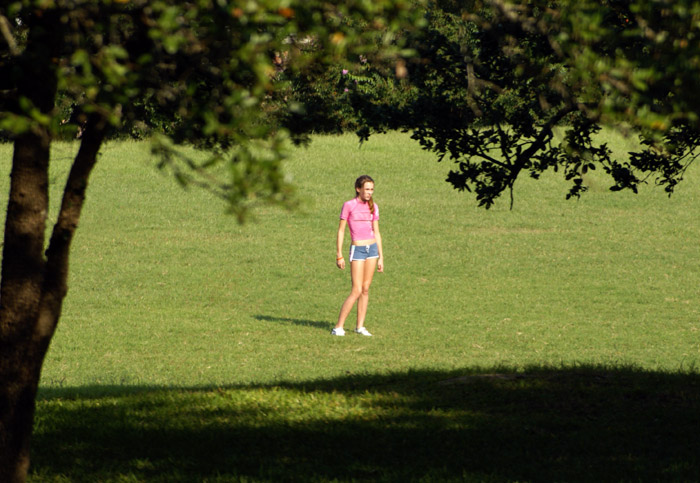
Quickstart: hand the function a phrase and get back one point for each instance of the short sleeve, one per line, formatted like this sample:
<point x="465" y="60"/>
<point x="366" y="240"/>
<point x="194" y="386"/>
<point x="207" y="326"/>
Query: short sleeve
<point x="345" y="211"/>
<point x="375" y="215"/>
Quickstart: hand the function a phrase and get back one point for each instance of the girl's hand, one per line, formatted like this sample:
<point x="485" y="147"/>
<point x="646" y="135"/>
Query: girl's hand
<point x="340" y="263"/>
<point x="380" y="265"/>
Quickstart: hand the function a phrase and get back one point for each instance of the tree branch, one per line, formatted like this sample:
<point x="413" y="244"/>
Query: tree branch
<point x="6" y="31"/>
<point x="545" y="133"/>
<point x="55" y="282"/>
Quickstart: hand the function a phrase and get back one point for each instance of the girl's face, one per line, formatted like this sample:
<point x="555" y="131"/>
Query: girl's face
<point x="365" y="193"/>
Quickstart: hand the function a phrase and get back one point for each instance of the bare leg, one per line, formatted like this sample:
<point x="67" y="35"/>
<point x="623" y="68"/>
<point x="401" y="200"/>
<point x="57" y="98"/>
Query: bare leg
<point x="363" y="300"/>
<point x="357" y="270"/>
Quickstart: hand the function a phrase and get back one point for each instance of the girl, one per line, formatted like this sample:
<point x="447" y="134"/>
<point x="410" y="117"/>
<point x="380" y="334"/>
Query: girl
<point x="361" y="215"/>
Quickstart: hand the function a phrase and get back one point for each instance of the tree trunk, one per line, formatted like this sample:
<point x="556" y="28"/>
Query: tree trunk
<point x="33" y="284"/>
<point x="20" y="292"/>
<point x="23" y="263"/>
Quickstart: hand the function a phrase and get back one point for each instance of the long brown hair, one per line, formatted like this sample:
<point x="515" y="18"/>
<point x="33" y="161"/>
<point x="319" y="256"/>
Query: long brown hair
<point x="359" y="183"/>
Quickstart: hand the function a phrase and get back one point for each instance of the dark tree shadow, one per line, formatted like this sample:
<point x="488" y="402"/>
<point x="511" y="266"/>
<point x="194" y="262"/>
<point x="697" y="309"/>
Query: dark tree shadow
<point x="571" y="424"/>
<point x="303" y="322"/>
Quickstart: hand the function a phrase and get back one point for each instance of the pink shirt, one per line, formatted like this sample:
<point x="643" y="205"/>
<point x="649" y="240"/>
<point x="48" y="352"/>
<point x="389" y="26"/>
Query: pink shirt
<point x="359" y="219"/>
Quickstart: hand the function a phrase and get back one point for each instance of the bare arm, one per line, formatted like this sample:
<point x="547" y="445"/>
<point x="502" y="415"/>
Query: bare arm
<point x="378" y="237"/>
<point x="340" y="261"/>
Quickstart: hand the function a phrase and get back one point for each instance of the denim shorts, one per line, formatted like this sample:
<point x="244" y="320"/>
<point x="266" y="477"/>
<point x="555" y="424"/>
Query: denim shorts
<point x="363" y="252"/>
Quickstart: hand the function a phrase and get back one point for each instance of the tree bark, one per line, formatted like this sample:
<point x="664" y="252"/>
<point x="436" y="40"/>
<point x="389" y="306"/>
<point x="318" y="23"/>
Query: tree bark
<point x="20" y="292"/>
<point x="23" y="263"/>
<point x="33" y="283"/>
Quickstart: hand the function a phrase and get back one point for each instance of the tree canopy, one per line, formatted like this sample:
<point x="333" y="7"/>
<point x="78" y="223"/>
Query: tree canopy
<point x="495" y="81"/>
<point x="200" y="72"/>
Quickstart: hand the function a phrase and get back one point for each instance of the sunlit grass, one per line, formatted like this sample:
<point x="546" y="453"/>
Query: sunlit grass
<point x="167" y="290"/>
<point x="170" y="299"/>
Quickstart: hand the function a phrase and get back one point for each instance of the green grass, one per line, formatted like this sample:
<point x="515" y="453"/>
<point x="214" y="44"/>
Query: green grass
<point x="194" y="349"/>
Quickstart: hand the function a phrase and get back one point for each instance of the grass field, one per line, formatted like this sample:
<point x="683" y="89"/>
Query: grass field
<point x="558" y="341"/>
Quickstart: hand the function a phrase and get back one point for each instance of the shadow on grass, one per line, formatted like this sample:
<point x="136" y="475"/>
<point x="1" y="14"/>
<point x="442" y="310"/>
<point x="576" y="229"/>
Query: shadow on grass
<point x="325" y="325"/>
<point x="543" y="424"/>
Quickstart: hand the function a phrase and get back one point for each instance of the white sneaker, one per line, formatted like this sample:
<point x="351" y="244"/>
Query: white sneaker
<point x="338" y="332"/>
<point x="363" y="331"/>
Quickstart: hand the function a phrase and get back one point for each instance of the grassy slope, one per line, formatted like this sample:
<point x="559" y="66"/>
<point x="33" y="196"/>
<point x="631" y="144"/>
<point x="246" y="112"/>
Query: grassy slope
<point x="166" y="292"/>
